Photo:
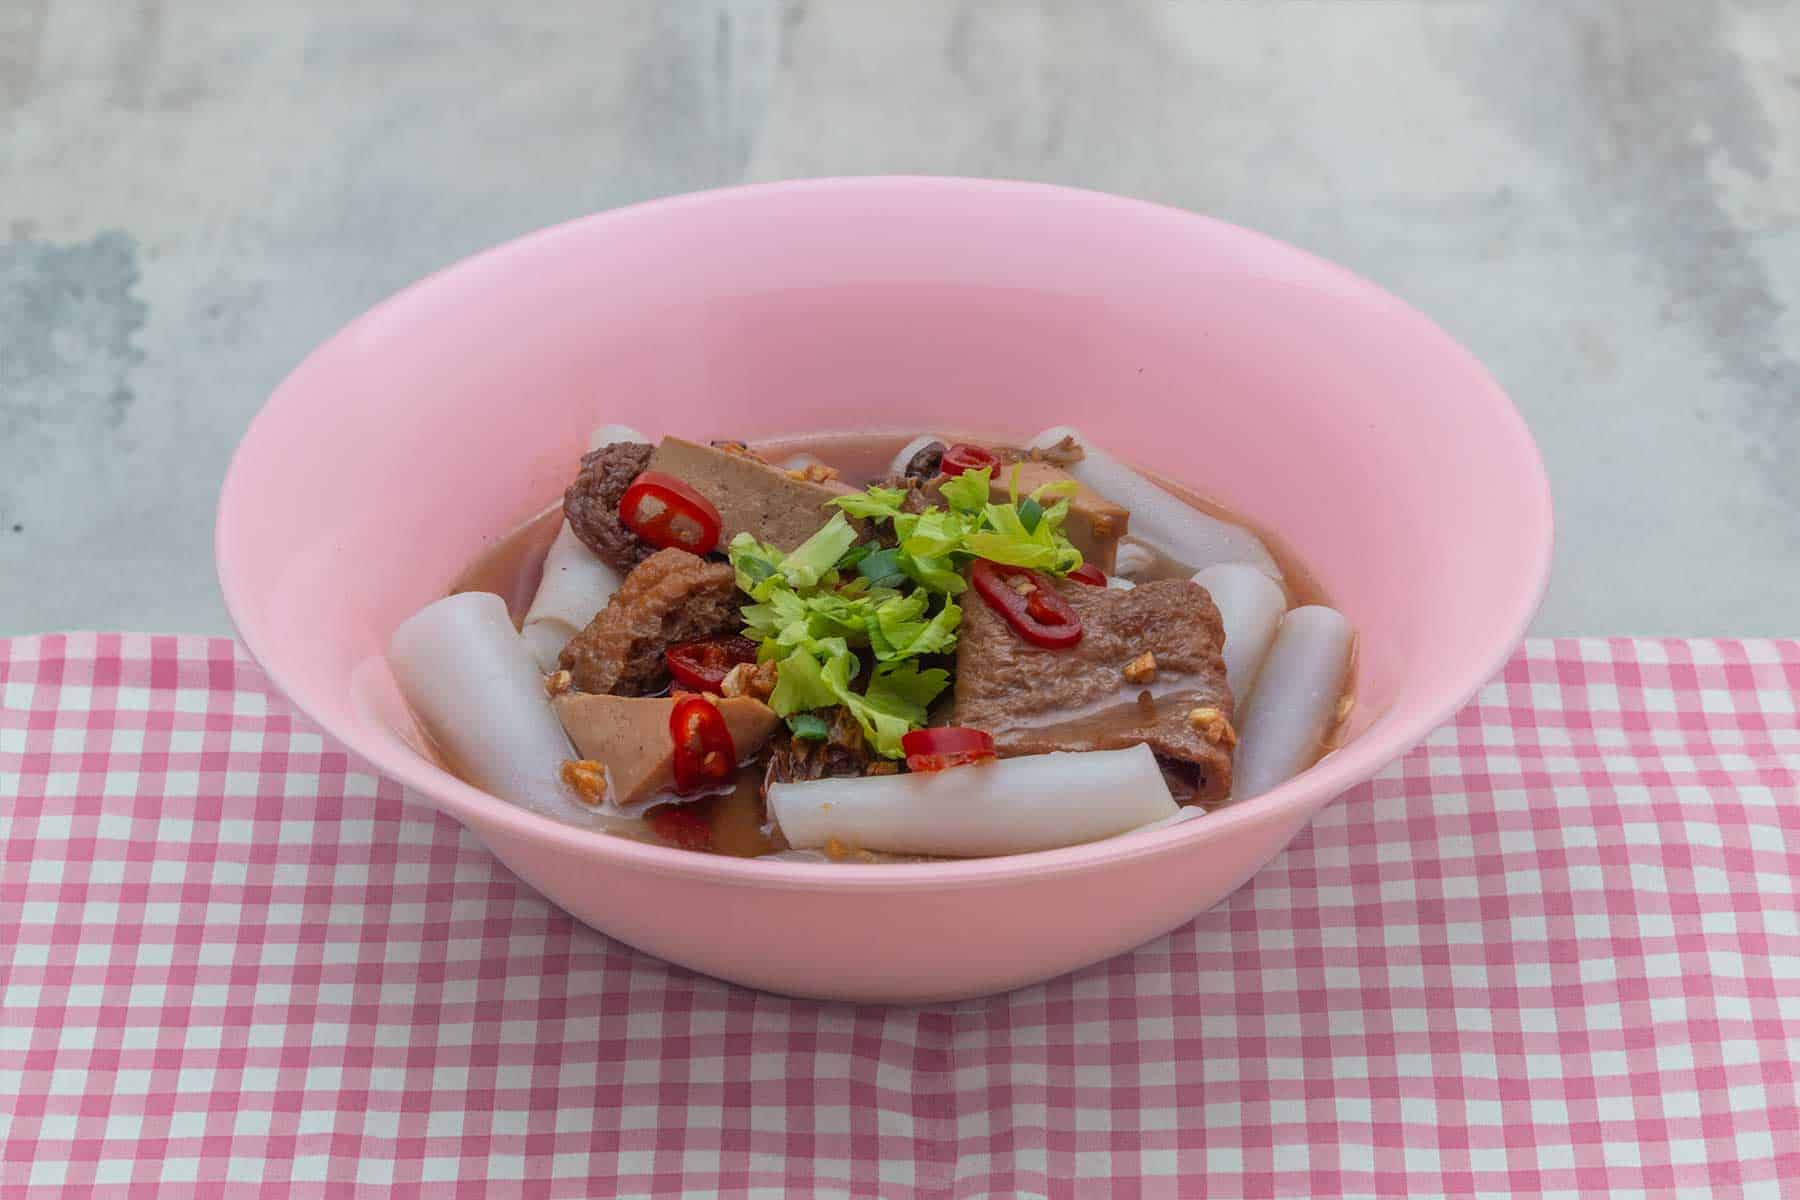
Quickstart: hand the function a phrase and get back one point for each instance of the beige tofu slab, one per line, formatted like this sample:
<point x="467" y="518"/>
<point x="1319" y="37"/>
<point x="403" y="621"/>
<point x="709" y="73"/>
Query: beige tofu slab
<point x="629" y="736"/>
<point x="766" y="501"/>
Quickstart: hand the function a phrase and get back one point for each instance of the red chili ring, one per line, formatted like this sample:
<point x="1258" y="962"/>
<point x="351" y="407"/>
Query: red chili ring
<point x="964" y="457"/>
<point x="666" y="512"/>
<point x="1089" y="574"/>
<point x="704" y="755"/>
<point x="702" y="664"/>
<point x="944" y="746"/>
<point x="1026" y="600"/>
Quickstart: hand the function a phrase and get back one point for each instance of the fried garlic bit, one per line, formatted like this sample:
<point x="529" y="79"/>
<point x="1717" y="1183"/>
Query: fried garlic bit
<point x="1212" y="725"/>
<point x="1141" y="669"/>
<point x="587" y="778"/>
<point x="756" y="680"/>
<point x="813" y="473"/>
<point x="558" y="683"/>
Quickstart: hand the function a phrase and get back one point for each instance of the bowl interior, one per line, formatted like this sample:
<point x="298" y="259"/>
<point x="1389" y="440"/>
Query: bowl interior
<point x="1284" y="387"/>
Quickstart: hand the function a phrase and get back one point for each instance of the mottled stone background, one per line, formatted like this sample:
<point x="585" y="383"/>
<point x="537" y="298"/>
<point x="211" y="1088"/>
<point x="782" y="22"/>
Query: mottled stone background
<point x="1602" y="199"/>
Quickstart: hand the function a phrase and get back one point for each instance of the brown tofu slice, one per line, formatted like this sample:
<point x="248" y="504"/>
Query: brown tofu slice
<point x="1095" y="523"/>
<point x="1089" y="696"/>
<point x="629" y="736"/>
<point x="766" y="501"/>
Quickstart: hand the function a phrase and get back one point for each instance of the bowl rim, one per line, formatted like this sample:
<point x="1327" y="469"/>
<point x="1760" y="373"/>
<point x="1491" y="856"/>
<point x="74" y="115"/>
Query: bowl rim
<point x="1298" y="798"/>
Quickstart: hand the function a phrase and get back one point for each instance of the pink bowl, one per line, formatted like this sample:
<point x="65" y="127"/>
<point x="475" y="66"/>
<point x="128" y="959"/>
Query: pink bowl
<point x="1284" y="386"/>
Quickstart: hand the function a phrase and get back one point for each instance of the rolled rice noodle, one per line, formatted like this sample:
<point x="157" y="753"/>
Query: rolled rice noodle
<point x="470" y="680"/>
<point x="1038" y="802"/>
<point x="898" y="465"/>
<point x="576" y="585"/>
<point x="1171" y="525"/>
<point x="1132" y="560"/>
<point x="1250" y="604"/>
<point x="1294" y="702"/>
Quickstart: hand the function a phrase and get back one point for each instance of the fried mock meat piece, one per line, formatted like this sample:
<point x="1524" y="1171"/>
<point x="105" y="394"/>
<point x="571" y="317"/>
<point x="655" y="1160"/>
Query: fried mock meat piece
<point x="670" y="597"/>
<point x="591" y="503"/>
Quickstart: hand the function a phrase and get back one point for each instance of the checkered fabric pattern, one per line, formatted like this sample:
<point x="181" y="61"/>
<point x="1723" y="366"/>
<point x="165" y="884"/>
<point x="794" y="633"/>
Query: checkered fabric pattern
<point x="1552" y="952"/>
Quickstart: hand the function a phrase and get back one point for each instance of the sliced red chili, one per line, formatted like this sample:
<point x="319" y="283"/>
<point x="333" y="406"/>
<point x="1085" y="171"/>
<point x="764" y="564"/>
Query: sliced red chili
<point x="964" y="457"/>
<point x="1089" y="574"/>
<point x="1036" y="611"/>
<point x="946" y="746"/>
<point x="680" y="826"/>
<point x="704" y="754"/>
<point x="702" y="664"/>
<point x="666" y="512"/>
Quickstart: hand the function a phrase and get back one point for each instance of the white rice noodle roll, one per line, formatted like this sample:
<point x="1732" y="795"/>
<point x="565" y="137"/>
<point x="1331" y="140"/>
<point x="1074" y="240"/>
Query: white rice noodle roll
<point x="1282" y="730"/>
<point x="1119" y="583"/>
<point x="1176" y="528"/>
<point x="1038" y="802"/>
<point x="470" y="681"/>
<point x="606" y="435"/>
<point x="575" y="586"/>
<point x="1133" y="560"/>
<point x="1250" y="605"/>
<point x="898" y="465"/>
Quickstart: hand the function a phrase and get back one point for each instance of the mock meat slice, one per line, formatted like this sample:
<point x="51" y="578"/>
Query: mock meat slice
<point x="628" y="736"/>
<point x="670" y="597"/>
<point x="768" y="502"/>
<point x="1104" y="693"/>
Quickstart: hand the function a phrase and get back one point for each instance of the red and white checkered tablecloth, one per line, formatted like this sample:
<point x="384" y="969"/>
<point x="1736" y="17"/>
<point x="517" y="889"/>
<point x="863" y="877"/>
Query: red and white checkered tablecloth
<point x="1553" y="951"/>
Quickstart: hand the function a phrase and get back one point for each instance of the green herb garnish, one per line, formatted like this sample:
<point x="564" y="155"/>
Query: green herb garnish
<point x="818" y="610"/>
<point x="808" y="727"/>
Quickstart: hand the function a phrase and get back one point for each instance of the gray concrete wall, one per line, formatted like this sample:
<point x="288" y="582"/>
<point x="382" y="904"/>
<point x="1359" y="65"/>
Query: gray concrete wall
<point x="1601" y="199"/>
